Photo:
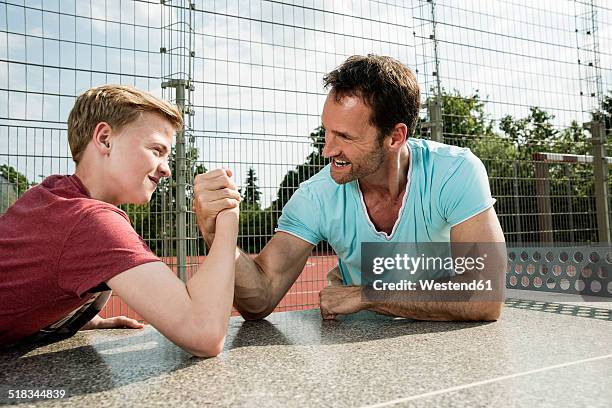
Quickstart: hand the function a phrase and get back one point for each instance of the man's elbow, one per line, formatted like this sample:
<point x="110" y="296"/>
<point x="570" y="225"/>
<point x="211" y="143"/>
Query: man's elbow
<point x="254" y="305"/>
<point x="258" y="312"/>
<point x="489" y="312"/>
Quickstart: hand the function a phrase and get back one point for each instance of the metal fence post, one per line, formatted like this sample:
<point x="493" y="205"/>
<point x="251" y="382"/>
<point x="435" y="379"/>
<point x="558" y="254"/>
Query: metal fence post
<point x="570" y="206"/>
<point x="434" y="109"/>
<point x="542" y="186"/>
<point x="517" y="204"/>
<point x="600" y="172"/>
<point x="180" y="86"/>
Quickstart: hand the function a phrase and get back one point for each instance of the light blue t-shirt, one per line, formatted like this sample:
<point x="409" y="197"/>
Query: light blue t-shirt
<point x="446" y="186"/>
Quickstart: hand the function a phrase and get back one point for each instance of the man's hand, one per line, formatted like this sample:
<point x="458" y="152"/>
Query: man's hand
<point x="213" y="193"/>
<point x="119" y="322"/>
<point x="338" y="300"/>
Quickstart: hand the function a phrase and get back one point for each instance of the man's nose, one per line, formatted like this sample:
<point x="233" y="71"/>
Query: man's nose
<point x="330" y="149"/>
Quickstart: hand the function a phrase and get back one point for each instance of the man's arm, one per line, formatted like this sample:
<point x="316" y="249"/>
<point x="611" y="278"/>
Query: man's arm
<point x="194" y="315"/>
<point x="484" y="228"/>
<point x="261" y="282"/>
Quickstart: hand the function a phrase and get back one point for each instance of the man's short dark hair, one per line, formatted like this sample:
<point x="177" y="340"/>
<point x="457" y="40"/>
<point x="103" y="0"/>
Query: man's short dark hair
<point x="384" y="84"/>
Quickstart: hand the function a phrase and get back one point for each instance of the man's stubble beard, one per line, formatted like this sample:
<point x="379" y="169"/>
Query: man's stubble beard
<point x="371" y="164"/>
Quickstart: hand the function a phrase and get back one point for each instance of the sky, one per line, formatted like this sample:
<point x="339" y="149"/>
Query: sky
<point x="258" y="65"/>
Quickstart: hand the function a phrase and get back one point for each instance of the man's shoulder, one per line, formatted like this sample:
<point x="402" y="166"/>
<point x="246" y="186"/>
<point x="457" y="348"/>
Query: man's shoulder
<point x="441" y="160"/>
<point x="428" y="149"/>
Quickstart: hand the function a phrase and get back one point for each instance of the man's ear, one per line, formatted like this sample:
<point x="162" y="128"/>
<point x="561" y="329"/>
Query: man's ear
<point x="397" y="137"/>
<point x="102" y="137"/>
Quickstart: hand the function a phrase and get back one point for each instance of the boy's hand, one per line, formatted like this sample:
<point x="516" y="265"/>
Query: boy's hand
<point x="119" y="322"/>
<point x="213" y="193"/>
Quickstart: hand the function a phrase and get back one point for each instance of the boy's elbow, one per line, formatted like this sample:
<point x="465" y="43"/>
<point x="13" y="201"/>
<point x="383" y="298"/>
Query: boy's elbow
<point x="208" y="345"/>
<point x="204" y="338"/>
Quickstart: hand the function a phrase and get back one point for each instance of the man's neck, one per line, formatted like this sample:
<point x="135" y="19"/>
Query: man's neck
<point x="390" y="179"/>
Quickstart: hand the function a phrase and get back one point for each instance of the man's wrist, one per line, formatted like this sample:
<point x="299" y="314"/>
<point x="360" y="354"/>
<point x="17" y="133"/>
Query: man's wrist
<point x="363" y="304"/>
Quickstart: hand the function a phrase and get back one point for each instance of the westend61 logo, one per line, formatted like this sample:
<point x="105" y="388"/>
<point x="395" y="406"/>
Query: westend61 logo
<point x="433" y="271"/>
<point x="411" y="264"/>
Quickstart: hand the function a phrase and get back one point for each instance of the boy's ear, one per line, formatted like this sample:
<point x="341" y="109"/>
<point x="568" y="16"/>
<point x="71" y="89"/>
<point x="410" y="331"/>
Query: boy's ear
<point x="102" y="137"/>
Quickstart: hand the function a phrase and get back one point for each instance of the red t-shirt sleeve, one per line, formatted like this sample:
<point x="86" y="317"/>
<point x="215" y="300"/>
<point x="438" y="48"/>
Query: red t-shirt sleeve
<point x="101" y="245"/>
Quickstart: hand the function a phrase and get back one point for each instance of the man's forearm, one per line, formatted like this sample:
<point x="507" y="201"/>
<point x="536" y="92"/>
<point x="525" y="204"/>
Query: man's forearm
<point x="440" y="311"/>
<point x="252" y="288"/>
<point x="442" y="305"/>
<point x="469" y="302"/>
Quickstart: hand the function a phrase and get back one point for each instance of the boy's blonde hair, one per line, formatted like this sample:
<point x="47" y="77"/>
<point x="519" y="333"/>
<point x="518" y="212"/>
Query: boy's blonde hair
<point x="116" y="105"/>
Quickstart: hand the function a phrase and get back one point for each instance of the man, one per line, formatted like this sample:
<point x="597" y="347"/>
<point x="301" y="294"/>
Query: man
<point x="64" y="242"/>
<point x="379" y="187"/>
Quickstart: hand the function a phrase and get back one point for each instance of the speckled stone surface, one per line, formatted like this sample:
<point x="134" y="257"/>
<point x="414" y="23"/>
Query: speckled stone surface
<point x="528" y="358"/>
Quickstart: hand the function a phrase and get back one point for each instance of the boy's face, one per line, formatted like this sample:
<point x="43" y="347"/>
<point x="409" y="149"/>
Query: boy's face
<point x="138" y="159"/>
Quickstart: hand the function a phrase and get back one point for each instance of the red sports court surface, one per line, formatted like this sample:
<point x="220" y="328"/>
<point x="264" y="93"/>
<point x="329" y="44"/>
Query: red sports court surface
<point x="304" y="294"/>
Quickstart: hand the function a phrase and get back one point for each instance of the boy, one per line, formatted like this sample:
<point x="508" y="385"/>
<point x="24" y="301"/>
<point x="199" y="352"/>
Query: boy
<point x="64" y="245"/>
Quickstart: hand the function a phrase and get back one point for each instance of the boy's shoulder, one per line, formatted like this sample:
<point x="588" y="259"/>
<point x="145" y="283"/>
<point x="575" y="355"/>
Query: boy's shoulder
<point x="60" y="200"/>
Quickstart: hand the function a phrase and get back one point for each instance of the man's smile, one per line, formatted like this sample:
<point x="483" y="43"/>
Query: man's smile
<point x="340" y="163"/>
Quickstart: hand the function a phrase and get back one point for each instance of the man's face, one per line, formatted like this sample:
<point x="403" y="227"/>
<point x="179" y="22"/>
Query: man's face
<point x="139" y="159"/>
<point x="351" y="142"/>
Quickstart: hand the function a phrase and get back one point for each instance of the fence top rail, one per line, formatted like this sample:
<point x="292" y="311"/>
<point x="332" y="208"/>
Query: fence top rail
<point x="565" y="158"/>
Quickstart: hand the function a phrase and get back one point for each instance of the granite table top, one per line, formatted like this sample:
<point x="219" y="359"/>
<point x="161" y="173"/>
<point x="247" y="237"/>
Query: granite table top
<point x="540" y="353"/>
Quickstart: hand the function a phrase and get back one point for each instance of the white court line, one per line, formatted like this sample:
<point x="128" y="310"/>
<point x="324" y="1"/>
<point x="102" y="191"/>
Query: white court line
<point x="477" y="383"/>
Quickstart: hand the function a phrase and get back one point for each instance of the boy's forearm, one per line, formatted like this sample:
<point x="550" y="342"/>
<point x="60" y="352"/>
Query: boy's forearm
<point x="212" y="287"/>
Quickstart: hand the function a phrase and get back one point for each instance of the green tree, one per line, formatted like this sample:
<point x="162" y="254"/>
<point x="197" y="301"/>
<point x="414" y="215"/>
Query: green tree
<point x="464" y="118"/>
<point x="17" y="179"/>
<point x="252" y="232"/>
<point x="532" y="134"/>
<point x="604" y="112"/>
<point x="12" y="185"/>
<point x="252" y="194"/>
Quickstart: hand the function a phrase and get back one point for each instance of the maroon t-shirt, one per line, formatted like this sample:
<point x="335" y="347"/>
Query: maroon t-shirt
<point x="56" y="245"/>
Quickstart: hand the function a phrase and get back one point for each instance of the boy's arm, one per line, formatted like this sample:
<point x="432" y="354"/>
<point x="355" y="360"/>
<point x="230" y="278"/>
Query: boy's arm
<point x="194" y="316"/>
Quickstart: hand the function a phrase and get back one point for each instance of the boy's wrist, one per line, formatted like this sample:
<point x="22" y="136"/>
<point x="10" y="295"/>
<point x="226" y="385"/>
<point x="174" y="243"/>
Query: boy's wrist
<point x="226" y="221"/>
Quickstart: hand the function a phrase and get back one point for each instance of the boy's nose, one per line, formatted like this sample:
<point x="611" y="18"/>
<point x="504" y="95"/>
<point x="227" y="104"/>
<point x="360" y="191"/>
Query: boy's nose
<point x="164" y="169"/>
